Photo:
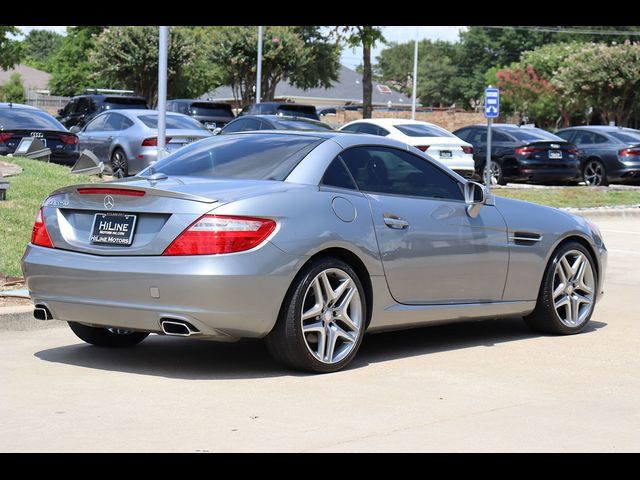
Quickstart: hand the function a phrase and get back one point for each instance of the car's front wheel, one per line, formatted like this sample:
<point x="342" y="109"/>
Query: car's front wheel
<point x="568" y="292"/>
<point x="107" y="337"/>
<point x="322" y="320"/>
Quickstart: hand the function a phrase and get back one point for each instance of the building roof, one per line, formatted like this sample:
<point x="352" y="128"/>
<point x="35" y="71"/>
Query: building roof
<point x="347" y="90"/>
<point x="31" y="77"/>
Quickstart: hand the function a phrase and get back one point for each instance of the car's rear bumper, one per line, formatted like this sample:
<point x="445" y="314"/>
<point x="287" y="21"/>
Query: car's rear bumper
<point x="538" y="174"/>
<point x="236" y="295"/>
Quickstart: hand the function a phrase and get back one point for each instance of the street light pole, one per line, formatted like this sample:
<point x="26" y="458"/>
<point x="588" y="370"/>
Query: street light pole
<point x="162" y="91"/>
<point x="259" y="69"/>
<point x="415" y="77"/>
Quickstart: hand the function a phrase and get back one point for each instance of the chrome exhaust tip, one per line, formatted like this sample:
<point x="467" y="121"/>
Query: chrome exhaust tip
<point x="42" y="313"/>
<point x="177" y="328"/>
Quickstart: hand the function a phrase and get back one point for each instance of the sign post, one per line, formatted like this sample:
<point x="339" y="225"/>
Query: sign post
<point x="491" y="111"/>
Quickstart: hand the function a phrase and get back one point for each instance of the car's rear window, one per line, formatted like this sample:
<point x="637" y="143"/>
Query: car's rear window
<point x="123" y="103"/>
<point x="626" y="136"/>
<point x="211" y="110"/>
<point x="23" y="118"/>
<point x="423" y="131"/>
<point x="241" y="156"/>
<point x="307" y="112"/>
<point x="173" y="121"/>
<point x="533" y="134"/>
<point x="302" y="125"/>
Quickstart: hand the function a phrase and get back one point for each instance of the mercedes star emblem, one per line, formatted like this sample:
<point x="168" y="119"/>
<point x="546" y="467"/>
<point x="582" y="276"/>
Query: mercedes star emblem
<point x="109" y="202"/>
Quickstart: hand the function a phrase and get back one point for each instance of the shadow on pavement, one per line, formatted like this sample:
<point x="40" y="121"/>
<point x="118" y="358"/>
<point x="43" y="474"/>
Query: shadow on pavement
<point x="199" y="359"/>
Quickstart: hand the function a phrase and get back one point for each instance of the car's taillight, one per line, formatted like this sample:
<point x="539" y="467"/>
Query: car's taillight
<point x="628" y="152"/>
<point x="573" y="151"/>
<point x="468" y="150"/>
<point x="528" y="150"/>
<point x="39" y="235"/>
<point x="4" y="136"/>
<point x="424" y="148"/>
<point x="153" y="141"/>
<point x="214" y="234"/>
<point x="69" y="139"/>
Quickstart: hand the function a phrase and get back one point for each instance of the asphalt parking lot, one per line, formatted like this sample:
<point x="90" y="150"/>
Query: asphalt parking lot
<point x="485" y="386"/>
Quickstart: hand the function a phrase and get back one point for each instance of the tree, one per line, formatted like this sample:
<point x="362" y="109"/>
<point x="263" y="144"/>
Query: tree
<point x="70" y="67"/>
<point x="13" y="90"/>
<point x="10" y="50"/>
<point x="39" y="48"/>
<point x="604" y="77"/>
<point x="301" y="55"/>
<point x="127" y="57"/>
<point x="367" y="36"/>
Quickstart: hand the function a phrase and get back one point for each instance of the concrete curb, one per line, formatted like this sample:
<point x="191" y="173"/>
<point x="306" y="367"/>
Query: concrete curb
<point x="606" y="212"/>
<point x="20" y="318"/>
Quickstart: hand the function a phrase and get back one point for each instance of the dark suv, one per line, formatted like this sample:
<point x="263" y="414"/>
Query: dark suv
<point x="211" y="114"/>
<point x="281" y="108"/>
<point x="82" y="108"/>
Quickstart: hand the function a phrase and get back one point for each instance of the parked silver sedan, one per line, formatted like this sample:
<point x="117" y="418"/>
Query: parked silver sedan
<point x="127" y="140"/>
<point x="306" y="239"/>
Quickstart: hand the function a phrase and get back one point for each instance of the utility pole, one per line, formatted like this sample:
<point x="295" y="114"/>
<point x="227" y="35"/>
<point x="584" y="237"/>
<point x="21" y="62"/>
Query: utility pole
<point x="162" y="91"/>
<point x="415" y="77"/>
<point x="259" y="69"/>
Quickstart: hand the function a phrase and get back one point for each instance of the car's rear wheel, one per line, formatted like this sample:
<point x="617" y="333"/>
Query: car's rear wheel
<point x="119" y="163"/>
<point x="497" y="178"/>
<point x="568" y="292"/>
<point x="322" y="320"/>
<point x="107" y="337"/>
<point x="594" y="174"/>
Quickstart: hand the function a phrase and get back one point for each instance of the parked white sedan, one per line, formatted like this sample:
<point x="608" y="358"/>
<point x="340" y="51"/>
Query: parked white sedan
<point x="442" y="145"/>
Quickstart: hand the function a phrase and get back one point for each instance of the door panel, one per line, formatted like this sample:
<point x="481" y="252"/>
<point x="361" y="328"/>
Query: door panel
<point x="442" y="255"/>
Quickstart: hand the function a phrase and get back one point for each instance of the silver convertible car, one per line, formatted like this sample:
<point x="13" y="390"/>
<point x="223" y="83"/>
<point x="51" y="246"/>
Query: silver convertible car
<point x="308" y="240"/>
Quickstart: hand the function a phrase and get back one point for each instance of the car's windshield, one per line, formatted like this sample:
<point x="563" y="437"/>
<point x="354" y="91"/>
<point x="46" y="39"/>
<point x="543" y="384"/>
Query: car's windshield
<point x="627" y="136"/>
<point x="239" y="156"/>
<point x="23" y="118"/>
<point x="414" y="130"/>
<point x="173" y="121"/>
<point x="533" y="134"/>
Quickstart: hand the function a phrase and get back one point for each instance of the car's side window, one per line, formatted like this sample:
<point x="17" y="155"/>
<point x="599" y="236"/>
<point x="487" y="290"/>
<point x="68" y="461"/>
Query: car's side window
<point x="242" y="125"/>
<point x="113" y="122"/>
<point x="478" y="135"/>
<point x="369" y="128"/>
<point x="566" y="135"/>
<point x="396" y="172"/>
<point x="95" y="124"/>
<point x="352" y="128"/>
<point x="463" y="134"/>
<point x="337" y="175"/>
<point x="600" y="138"/>
<point x="500" y="137"/>
<point x="583" y="137"/>
<point x="383" y="132"/>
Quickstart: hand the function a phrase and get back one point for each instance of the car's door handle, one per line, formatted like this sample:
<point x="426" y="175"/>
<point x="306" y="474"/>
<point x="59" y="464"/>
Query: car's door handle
<point x="393" y="221"/>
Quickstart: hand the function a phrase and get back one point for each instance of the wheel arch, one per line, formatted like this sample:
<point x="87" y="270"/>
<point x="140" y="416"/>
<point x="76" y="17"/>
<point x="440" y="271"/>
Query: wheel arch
<point x="584" y="242"/>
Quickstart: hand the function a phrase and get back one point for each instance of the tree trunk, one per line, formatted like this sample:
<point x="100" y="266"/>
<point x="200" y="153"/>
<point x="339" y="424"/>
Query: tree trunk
<point x="367" y="87"/>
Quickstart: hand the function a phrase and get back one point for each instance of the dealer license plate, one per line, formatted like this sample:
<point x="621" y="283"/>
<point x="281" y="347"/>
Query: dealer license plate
<point x="446" y="154"/>
<point x="113" y="228"/>
<point x="555" y="153"/>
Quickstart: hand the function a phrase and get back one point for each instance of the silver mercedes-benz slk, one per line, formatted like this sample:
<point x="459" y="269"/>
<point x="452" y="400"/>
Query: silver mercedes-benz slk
<point x="308" y="239"/>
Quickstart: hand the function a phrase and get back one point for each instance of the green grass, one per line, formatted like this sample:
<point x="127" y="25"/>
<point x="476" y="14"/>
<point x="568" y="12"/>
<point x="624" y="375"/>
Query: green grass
<point x="17" y="213"/>
<point x="573" y="196"/>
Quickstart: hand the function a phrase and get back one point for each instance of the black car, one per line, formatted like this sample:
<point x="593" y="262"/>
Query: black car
<point x="211" y="114"/>
<point x="18" y="121"/>
<point x="281" y="108"/>
<point x="82" y="108"/>
<point x="274" y="122"/>
<point x="607" y="154"/>
<point x="522" y="154"/>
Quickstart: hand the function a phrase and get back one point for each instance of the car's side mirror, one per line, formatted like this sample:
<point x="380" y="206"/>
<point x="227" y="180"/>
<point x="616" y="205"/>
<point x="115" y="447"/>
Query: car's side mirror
<point x="74" y="129"/>
<point x="475" y="195"/>
<point x="216" y="131"/>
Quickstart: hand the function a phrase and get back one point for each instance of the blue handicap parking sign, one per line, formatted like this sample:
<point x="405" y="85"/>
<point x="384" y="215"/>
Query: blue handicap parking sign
<point x="491" y="102"/>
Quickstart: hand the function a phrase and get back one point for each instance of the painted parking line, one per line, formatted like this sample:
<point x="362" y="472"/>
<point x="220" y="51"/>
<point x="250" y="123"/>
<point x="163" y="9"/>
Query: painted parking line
<point x="628" y="252"/>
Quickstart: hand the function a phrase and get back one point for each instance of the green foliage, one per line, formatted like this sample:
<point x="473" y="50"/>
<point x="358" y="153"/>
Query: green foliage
<point x="70" y="67"/>
<point x="13" y="90"/>
<point x="11" y="51"/>
<point x="127" y="57"/>
<point x="40" y="47"/>
<point x="300" y="54"/>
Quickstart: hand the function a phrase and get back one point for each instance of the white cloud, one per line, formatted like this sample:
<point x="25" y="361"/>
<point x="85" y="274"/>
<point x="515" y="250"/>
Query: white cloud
<point x="59" y="29"/>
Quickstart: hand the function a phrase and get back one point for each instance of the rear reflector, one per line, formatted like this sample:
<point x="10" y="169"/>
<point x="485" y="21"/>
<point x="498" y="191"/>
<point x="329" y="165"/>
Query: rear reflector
<point x="39" y="235"/>
<point x="5" y="136"/>
<point x="215" y="234"/>
<point x="69" y="139"/>
<point x="110" y="191"/>
<point x="628" y="152"/>
<point x="424" y="148"/>
<point x="468" y="150"/>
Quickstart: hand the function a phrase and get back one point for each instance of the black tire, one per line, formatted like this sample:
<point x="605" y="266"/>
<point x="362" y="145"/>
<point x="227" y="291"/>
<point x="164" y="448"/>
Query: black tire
<point x="286" y="342"/>
<point x="119" y="164"/>
<point x="103" y="337"/>
<point x="591" y="166"/>
<point x="544" y="318"/>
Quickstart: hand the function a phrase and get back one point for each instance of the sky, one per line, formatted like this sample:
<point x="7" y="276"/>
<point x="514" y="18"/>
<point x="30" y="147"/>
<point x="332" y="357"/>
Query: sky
<point x="353" y="57"/>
